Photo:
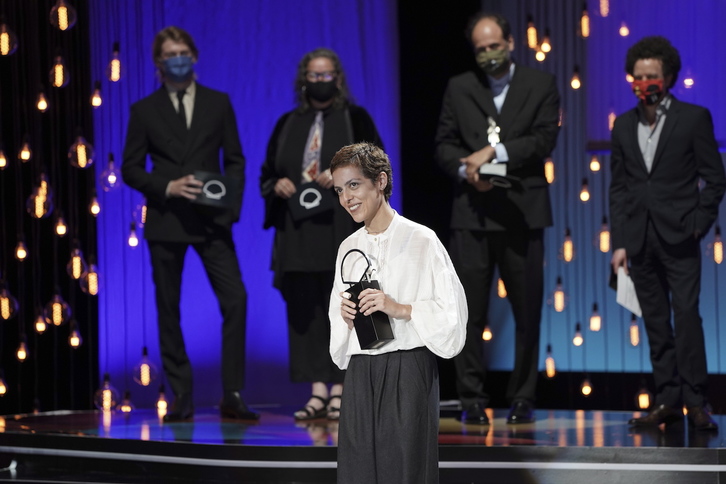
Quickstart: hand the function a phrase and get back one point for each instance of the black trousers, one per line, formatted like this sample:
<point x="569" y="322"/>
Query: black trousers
<point x="519" y="257"/>
<point x="389" y="419"/>
<point x="669" y="277"/>
<point x="307" y="295"/>
<point x="222" y="267"/>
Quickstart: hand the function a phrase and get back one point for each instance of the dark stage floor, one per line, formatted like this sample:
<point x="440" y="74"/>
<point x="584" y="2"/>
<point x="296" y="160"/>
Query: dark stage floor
<point x="560" y="447"/>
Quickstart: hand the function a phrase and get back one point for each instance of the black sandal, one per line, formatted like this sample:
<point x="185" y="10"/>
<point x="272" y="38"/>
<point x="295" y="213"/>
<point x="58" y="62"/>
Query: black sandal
<point x="308" y="412"/>
<point x="332" y="409"/>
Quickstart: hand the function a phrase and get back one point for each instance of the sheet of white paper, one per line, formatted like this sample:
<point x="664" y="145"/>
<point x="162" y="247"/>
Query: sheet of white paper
<point x="626" y="296"/>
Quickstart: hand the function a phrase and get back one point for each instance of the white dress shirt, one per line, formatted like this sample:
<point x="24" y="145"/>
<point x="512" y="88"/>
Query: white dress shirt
<point x="412" y="267"/>
<point x="188" y="100"/>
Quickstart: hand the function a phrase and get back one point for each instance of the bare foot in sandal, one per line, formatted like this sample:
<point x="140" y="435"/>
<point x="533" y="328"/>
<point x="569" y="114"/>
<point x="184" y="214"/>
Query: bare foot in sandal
<point x="317" y="406"/>
<point x="336" y="395"/>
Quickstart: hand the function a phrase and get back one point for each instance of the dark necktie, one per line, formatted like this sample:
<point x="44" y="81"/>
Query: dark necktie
<point x="182" y="113"/>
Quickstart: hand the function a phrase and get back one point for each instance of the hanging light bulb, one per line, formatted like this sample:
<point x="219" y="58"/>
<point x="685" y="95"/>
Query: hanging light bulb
<point x="559" y="296"/>
<point x="94" y="207"/>
<point x="126" y="406"/>
<point x="133" y="239"/>
<point x="61" y="229"/>
<point x="531" y="33"/>
<point x="604" y="235"/>
<point x="39" y="324"/>
<point x="688" y="82"/>
<point x="487" y="335"/>
<point x="113" y="71"/>
<point x="604" y="8"/>
<point x="63" y="16"/>
<point x="74" y="339"/>
<point x="21" y="251"/>
<point x="3" y="384"/>
<point x="501" y="289"/>
<point x="540" y="55"/>
<point x="76" y="266"/>
<point x="90" y="282"/>
<point x="25" y="153"/>
<point x="611" y="119"/>
<point x="549" y="169"/>
<point x="585" y="23"/>
<point x="624" y="31"/>
<point x="644" y="398"/>
<point x="8" y="303"/>
<point x="110" y="177"/>
<point x="546" y="46"/>
<point x="577" y="340"/>
<point x="140" y="214"/>
<point x="96" y="99"/>
<point x="59" y="76"/>
<point x="145" y="372"/>
<point x="595" y="163"/>
<point x="57" y="311"/>
<point x="81" y="154"/>
<point x="595" y="319"/>
<point x="106" y="398"/>
<point x="42" y="103"/>
<point x="22" y="352"/>
<point x="575" y="80"/>
<point x="550" y="370"/>
<point x="8" y="40"/>
<point x="584" y="191"/>
<point x="161" y="404"/>
<point x="3" y="159"/>
<point x="634" y="331"/>
<point x="586" y="387"/>
<point x="40" y="202"/>
<point x="568" y="248"/>
<point x="717" y="246"/>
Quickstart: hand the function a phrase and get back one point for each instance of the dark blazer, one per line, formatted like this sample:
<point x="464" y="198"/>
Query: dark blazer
<point x="155" y="128"/>
<point x="687" y="151"/>
<point x="529" y="126"/>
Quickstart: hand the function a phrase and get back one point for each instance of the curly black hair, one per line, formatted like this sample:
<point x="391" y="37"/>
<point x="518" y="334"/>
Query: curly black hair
<point x="342" y="97"/>
<point x="369" y="158"/>
<point x="655" y="47"/>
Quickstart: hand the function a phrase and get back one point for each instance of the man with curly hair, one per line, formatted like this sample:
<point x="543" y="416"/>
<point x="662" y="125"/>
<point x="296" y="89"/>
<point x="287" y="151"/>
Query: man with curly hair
<point x="660" y="151"/>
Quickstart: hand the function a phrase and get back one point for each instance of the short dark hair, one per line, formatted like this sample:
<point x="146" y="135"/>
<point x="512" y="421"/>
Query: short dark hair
<point x="175" y="34"/>
<point x="499" y="19"/>
<point x="655" y="47"/>
<point x="369" y="158"/>
<point x="342" y="97"/>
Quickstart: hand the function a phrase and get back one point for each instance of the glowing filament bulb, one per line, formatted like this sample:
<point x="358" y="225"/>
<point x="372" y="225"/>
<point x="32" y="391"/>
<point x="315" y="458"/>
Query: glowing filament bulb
<point x="604" y="236"/>
<point x="40" y="324"/>
<point x="8" y="40"/>
<point x="75" y="340"/>
<point x="643" y="399"/>
<point x="90" y="282"/>
<point x="3" y="386"/>
<point x="595" y="319"/>
<point x="568" y="248"/>
<point x="559" y="296"/>
<point x="58" y="75"/>
<point x="546" y="46"/>
<point x="531" y="33"/>
<point x="3" y="160"/>
<point x="81" y="153"/>
<point x="21" y="252"/>
<point x="585" y="24"/>
<point x="161" y="403"/>
<point x="42" y="103"/>
<point x="688" y="82"/>
<point x="501" y="289"/>
<point x="577" y="340"/>
<point x="604" y="8"/>
<point x="634" y="332"/>
<point x="133" y="239"/>
<point x="76" y="266"/>
<point x="5" y="307"/>
<point x="624" y="30"/>
<point x="126" y="406"/>
<point x="96" y="99"/>
<point x="22" y="351"/>
<point x="550" y="369"/>
<point x="717" y="246"/>
<point x="586" y="387"/>
<point x="113" y="71"/>
<point x="575" y="80"/>
<point x="584" y="191"/>
<point x="549" y="169"/>
<point x="94" y="207"/>
<point x="57" y="313"/>
<point x="25" y="152"/>
<point x="82" y="156"/>
<point x="487" y="335"/>
<point x="540" y="55"/>
<point x="595" y="164"/>
<point x="60" y="227"/>
<point x="611" y="120"/>
<point x="63" y="18"/>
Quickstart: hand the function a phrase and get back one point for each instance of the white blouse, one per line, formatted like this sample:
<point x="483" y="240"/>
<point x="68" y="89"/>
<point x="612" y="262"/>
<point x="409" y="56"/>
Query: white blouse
<point x="412" y="267"/>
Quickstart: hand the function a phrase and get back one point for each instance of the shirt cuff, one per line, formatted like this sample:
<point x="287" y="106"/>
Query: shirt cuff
<point x="462" y="172"/>
<point x="166" y="192"/>
<point x="502" y="155"/>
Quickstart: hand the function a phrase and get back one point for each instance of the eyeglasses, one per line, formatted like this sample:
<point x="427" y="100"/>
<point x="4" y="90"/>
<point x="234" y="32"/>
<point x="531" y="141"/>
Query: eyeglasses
<point x="182" y="53"/>
<point x="319" y="76"/>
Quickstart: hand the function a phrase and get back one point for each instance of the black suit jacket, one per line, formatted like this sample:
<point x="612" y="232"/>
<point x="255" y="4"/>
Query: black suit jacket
<point x="687" y="151"/>
<point x="155" y="129"/>
<point x="529" y="125"/>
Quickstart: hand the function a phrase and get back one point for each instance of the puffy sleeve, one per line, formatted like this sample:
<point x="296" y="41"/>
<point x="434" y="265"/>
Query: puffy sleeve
<point x="339" y="332"/>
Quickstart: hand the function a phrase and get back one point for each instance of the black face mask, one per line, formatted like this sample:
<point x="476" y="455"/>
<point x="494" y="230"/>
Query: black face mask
<point x="321" y="91"/>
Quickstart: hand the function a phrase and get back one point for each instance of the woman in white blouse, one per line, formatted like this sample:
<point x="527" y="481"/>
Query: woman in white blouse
<point x="390" y="413"/>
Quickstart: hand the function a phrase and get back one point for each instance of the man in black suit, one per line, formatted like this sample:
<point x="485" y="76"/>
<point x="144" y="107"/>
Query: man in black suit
<point x="182" y="127"/>
<point x="660" y="151"/>
<point x="502" y="113"/>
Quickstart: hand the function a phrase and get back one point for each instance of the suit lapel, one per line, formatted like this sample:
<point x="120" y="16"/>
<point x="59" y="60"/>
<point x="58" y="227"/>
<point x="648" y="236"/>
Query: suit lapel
<point x="670" y="123"/>
<point x="483" y="97"/>
<point x="515" y="100"/>
<point x="170" y="119"/>
<point x="632" y="133"/>
<point x="201" y="109"/>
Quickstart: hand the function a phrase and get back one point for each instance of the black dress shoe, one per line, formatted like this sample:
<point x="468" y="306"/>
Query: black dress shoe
<point x="658" y="415"/>
<point x="182" y="409"/>
<point x="521" y="412"/>
<point x="233" y="406"/>
<point x="700" y="419"/>
<point x="474" y="415"/>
